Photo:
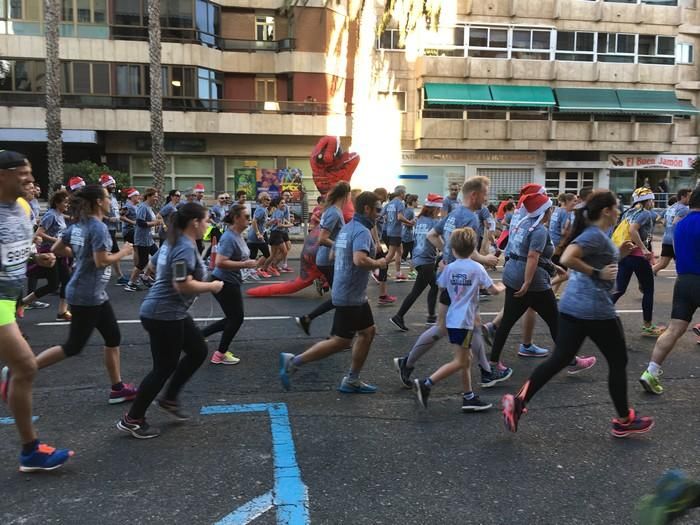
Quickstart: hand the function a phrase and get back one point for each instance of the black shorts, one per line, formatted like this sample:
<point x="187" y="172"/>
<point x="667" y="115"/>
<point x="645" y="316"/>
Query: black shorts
<point x="278" y="237"/>
<point x="556" y="259"/>
<point x="113" y="235"/>
<point x="129" y="236"/>
<point x="686" y="297"/>
<point x="393" y="241"/>
<point x="668" y="251"/>
<point x="85" y="320"/>
<point x="445" y="298"/>
<point x="348" y="320"/>
<point x="143" y="254"/>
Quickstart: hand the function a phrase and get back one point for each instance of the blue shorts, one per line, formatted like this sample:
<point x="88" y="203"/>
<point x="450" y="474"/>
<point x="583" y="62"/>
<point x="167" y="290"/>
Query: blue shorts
<point x="460" y="336"/>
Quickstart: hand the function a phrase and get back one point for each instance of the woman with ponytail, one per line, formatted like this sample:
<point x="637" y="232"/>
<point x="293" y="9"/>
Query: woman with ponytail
<point x="180" y="277"/>
<point x="586" y="310"/>
<point x="89" y="243"/>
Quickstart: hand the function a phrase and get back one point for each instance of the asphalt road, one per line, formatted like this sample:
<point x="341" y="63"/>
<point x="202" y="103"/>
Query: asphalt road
<point x="363" y="459"/>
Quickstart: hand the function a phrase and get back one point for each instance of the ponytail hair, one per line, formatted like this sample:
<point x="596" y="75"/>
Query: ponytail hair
<point x="339" y="192"/>
<point x="181" y="218"/>
<point x="84" y="201"/>
<point x="234" y="213"/>
<point x="589" y="213"/>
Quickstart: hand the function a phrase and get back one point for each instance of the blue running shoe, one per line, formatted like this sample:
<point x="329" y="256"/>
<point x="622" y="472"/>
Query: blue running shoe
<point x="286" y="369"/>
<point x="532" y="351"/>
<point x="674" y="494"/>
<point x="122" y="281"/>
<point x="355" y="386"/>
<point x="44" y="457"/>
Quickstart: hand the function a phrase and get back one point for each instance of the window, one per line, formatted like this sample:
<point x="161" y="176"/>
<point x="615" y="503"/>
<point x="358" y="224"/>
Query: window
<point x="573" y="45"/>
<point x="616" y="47"/>
<point x="84" y="11"/>
<point x="684" y="53"/>
<point x="531" y="44"/>
<point x="389" y="39"/>
<point x="397" y="97"/>
<point x="264" y="28"/>
<point x="447" y="41"/>
<point x="85" y="78"/>
<point x="266" y="89"/>
<point x="178" y="81"/>
<point x="130" y="80"/>
<point x="557" y="182"/>
<point x="656" y="49"/>
<point x="176" y="14"/>
<point x="208" y="21"/>
<point x="129" y="13"/>
<point x="22" y="75"/>
<point x="505" y="181"/>
<point x="488" y="42"/>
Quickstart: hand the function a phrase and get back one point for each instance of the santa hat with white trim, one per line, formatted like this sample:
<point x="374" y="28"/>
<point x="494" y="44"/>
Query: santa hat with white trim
<point x="433" y="200"/>
<point x="131" y="192"/>
<point x="75" y="183"/>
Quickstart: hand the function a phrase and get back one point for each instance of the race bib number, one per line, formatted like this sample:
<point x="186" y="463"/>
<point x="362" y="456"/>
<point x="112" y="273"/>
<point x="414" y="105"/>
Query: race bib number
<point x="14" y="256"/>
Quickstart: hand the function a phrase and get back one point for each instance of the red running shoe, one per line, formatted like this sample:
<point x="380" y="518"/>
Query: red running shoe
<point x="635" y="425"/>
<point x="513" y="408"/>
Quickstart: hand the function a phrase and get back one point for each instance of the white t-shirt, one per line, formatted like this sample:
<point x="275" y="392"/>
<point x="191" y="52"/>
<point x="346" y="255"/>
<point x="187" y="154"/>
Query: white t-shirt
<point x="462" y="279"/>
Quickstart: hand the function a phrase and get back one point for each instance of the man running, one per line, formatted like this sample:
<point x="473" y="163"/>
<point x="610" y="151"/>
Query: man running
<point x="673" y="214"/>
<point x="17" y="377"/>
<point x="686" y="292"/>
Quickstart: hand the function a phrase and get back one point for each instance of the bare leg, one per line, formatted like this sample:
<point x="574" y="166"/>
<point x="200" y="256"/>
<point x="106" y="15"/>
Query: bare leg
<point x="113" y="364"/>
<point x="461" y="360"/>
<point x="50" y="356"/>
<point x="62" y="306"/>
<point x="360" y="349"/>
<point x="324" y="348"/>
<point x="117" y="270"/>
<point x="397" y="260"/>
<point x="667" y="340"/>
<point x="661" y="264"/>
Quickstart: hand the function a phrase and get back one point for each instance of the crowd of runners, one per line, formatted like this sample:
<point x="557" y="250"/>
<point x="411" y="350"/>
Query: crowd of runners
<point x="567" y="263"/>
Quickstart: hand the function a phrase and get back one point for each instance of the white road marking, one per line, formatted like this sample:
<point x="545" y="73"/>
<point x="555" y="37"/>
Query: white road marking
<point x="197" y="319"/>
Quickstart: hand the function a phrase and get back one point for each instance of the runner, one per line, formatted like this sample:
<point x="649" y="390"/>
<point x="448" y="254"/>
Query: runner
<point x="380" y="240"/>
<point x="424" y="260"/>
<point x="52" y="225"/>
<point x="686" y="293"/>
<point x="673" y="214"/>
<point x="332" y="222"/>
<point x="354" y="260"/>
<point x="287" y="196"/>
<point x="232" y="256"/>
<point x="144" y="244"/>
<point x="88" y="242"/>
<point x="171" y="204"/>
<point x="407" y="241"/>
<point x="395" y="220"/>
<point x="638" y="225"/>
<point x="17" y="377"/>
<point x="451" y="200"/>
<point x="587" y="310"/>
<point x="128" y="214"/>
<point x="257" y="237"/>
<point x="180" y="276"/>
<point x="216" y="217"/>
<point x="112" y="221"/>
<point x="279" y="235"/>
<point x="461" y="279"/>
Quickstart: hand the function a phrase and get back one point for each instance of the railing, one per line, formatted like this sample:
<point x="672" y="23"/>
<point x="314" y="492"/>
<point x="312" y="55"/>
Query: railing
<point x="177" y="104"/>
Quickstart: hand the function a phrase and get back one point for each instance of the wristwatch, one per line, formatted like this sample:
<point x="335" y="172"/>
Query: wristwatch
<point x="596" y="274"/>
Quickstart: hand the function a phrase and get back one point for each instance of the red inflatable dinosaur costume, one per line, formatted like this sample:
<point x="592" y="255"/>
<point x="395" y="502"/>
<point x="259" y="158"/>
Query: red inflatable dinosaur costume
<point x="329" y="165"/>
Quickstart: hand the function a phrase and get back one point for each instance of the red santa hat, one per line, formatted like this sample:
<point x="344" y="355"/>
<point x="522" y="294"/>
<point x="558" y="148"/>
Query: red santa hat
<point x="536" y="204"/>
<point x="107" y="180"/>
<point x="75" y="183"/>
<point x="433" y="200"/>
<point x="530" y="189"/>
<point x="131" y="192"/>
<point x="198" y="188"/>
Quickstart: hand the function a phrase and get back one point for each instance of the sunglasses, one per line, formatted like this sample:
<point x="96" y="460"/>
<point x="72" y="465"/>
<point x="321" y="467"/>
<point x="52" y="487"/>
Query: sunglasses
<point x="378" y="209"/>
<point x="177" y="195"/>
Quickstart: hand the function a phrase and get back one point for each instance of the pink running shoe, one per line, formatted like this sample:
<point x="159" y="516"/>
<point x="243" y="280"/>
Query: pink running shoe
<point x="273" y="271"/>
<point x="263" y="274"/>
<point x="696" y="329"/>
<point x="127" y="393"/>
<point x="582" y="363"/>
<point x="386" y="300"/>
<point x="401" y="277"/>
<point x="286" y="269"/>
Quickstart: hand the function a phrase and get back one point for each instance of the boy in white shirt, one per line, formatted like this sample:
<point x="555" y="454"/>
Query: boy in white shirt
<point x="462" y="279"/>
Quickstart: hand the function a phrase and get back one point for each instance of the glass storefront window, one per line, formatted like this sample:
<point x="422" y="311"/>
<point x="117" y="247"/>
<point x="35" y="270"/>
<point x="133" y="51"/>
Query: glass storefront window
<point x="622" y="184"/>
<point x="437" y="181"/>
<point x="193" y="166"/>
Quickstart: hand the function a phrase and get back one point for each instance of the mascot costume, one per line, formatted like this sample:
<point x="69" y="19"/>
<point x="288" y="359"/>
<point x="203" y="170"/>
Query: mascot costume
<point x="329" y="165"/>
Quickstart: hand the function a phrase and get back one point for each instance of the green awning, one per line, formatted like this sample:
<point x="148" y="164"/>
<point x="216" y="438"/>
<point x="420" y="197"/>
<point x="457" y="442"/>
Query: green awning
<point x="458" y="94"/>
<point x="522" y="96"/>
<point x="642" y="101"/>
<point x="581" y="100"/>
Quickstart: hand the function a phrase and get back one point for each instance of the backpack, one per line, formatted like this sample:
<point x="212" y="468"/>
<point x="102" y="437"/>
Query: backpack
<point x="622" y="231"/>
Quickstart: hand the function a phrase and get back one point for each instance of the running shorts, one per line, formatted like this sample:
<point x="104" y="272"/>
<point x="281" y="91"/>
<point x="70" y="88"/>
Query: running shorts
<point x="668" y="251"/>
<point x="8" y="310"/>
<point x="115" y="246"/>
<point x="460" y="336"/>
<point x="686" y="297"/>
<point x="278" y="237"/>
<point x="348" y="320"/>
<point x="393" y="241"/>
<point x="445" y="298"/>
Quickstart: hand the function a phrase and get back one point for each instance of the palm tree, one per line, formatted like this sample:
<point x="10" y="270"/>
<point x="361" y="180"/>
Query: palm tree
<point x="156" y="91"/>
<point x="54" y="145"/>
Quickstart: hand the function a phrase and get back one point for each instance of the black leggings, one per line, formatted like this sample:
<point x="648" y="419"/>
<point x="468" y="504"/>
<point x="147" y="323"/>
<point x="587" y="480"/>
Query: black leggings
<point x="215" y="234"/>
<point x="262" y="246"/>
<point x="231" y="301"/>
<point x="85" y="320"/>
<point x="407" y="250"/>
<point x="609" y="337"/>
<point x="383" y="272"/>
<point x="168" y="340"/>
<point x="325" y="306"/>
<point x="544" y="303"/>
<point x="58" y="274"/>
<point x="425" y="278"/>
<point x="640" y="267"/>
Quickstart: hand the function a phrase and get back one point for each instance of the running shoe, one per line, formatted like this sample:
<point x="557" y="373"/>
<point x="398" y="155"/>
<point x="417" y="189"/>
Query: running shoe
<point x="36" y="305"/>
<point x="412" y="275"/>
<point x="273" y="271"/>
<point x="397" y="321"/>
<point x="653" y="330"/>
<point x="65" y="316"/>
<point x="304" y="323"/>
<point x="696" y="329"/>
<point x="496" y="375"/>
<point x="532" y="351"/>
<point x="122" y="281"/>
<point x="133" y="287"/>
<point x="488" y="331"/>
<point x="422" y="392"/>
<point x="4" y="383"/>
<point x="651" y="383"/>
<point x="227" y="358"/>
<point x="138" y="428"/>
<point x="484" y="295"/>
<point x="582" y="363"/>
<point x="404" y="371"/>
<point x="474" y="404"/>
<point x="513" y="408"/>
<point x="635" y="425"/>
<point x="250" y="275"/>
<point x="44" y="457"/>
<point x="286" y="269"/>
<point x="431" y="320"/>
<point x="146" y="281"/>
<point x="174" y="410"/>
<point x="674" y="494"/>
<point x="287" y="368"/>
<point x="264" y="274"/>
<point x="355" y="386"/>
<point x="400" y="277"/>
<point x="385" y="300"/>
<point x="126" y="393"/>
<point x="319" y="286"/>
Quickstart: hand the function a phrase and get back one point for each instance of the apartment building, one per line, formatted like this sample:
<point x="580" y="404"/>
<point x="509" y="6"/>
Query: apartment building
<point x="563" y="92"/>
<point x="245" y="85"/>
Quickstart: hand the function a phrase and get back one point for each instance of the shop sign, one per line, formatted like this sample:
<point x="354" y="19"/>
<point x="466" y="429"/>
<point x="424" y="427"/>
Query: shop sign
<point x="648" y="162"/>
<point x="471" y="156"/>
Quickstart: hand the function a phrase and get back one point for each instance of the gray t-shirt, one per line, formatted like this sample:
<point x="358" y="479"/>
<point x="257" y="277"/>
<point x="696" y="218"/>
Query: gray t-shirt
<point x="142" y="235"/>
<point x="260" y="218"/>
<point x="233" y="247"/>
<point x="53" y="223"/>
<point x="484" y="215"/>
<point x="406" y="230"/>
<point x="449" y="204"/>
<point x="679" y="211"/>
<point x="584" y="296"/>
<point x="393" y="225"/>
<point x="87" y="285"/>
<point x="349" y="281"/>
<point x="423" y="250"/>
<point x="461" y="217"/>
<point x="129" y="213"/>
<point x="16" y="234"/>
<point x="278" y="217"/>
<point x="163" y="302"/>
<point x="165" y="212"/>
<point x="556" y="225"/>
<point x="332" y="221"/>
<point x="645" y="219"/>
<point x="113" y="212"/>
<point x="522" y="240"/>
